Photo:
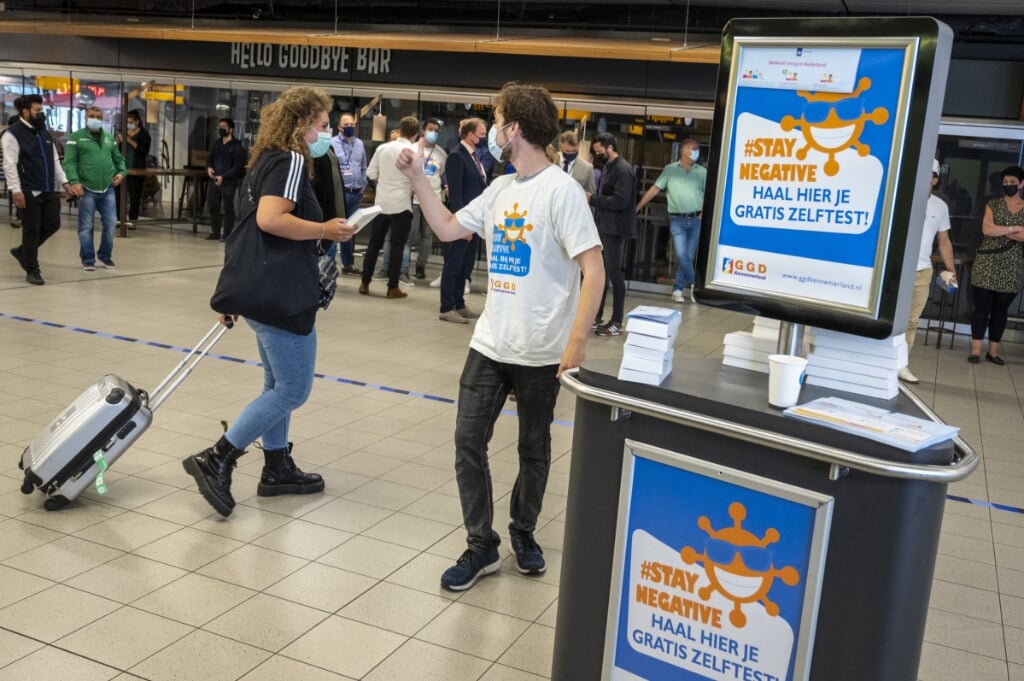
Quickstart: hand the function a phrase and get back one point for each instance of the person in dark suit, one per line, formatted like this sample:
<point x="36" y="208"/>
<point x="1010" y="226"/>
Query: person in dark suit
<point x="615" y="215"/>
<point x="466" y="180"/>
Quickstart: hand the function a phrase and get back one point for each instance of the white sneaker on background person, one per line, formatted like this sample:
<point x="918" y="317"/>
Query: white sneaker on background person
<point x="678" y="297"/>
<point x="468" y="289"/>
<point x="436" y="283"/>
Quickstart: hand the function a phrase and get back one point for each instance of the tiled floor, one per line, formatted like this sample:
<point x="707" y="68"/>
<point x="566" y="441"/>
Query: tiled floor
<point x="145" y="582"/>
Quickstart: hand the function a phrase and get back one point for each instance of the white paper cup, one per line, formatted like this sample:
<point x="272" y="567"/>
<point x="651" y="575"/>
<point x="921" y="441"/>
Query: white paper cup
<point x="785" y="376"/>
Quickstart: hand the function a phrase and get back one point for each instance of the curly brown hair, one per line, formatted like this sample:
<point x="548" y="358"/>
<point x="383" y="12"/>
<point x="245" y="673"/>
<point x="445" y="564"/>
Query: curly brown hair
<point x="532" y="108"/>
<point x="284" y="122"/>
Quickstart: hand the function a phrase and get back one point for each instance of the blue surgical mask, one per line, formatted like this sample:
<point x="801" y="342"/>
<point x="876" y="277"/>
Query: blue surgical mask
<point x="322" y="144"/>
<point x="431" y="137"/>
<point x="492" y="142"/>
<point x="94" y="124"/>
<point x="131" y="126"/>
<point x="694" y="154"/>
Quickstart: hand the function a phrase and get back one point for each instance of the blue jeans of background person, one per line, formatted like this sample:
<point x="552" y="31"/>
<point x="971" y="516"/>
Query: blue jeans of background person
<point x="288" y="361"/>
<point x="87" y="206"/>
<point x="483" y="388"/>
<point x="685" y="235"/>
<point x="347" y="248"/>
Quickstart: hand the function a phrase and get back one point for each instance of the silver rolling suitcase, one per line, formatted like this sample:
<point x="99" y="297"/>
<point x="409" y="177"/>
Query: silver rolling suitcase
<point x="95" y="430"/>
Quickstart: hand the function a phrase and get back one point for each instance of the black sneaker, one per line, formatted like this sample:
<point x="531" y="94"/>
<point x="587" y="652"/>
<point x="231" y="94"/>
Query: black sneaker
<point x="109" y="264"/>
<point x="529" y="556"/>
<point x="598" y="323"/>
<point x="470" y="567"/>
<point x="35" y="278"/>
<point x="609" y="329"/>
<point x="420" y="273"/>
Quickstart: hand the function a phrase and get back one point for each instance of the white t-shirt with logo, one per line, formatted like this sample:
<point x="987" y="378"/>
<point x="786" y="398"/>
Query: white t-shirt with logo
<point x="936" y="220"/>
<point x="532" y="229"/>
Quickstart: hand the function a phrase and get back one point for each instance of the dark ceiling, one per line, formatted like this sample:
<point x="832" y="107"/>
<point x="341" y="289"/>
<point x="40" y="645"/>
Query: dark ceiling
<point x="973" y="21"/>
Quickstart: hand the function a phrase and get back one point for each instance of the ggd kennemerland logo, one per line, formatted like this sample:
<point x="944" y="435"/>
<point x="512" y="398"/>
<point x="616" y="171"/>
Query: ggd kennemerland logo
<point x="745" y="268"/>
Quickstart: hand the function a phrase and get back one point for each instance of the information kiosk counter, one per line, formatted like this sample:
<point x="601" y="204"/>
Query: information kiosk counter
<point x="709" y="537"/>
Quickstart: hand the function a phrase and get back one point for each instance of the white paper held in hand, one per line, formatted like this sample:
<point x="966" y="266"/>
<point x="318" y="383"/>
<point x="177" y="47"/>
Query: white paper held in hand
<point x="363" y="217"/>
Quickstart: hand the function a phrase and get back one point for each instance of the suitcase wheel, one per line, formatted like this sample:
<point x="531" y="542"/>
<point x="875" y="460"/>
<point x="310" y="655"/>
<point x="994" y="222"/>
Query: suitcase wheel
<point x="56" y="503"/>
<point x="27" y="487"/>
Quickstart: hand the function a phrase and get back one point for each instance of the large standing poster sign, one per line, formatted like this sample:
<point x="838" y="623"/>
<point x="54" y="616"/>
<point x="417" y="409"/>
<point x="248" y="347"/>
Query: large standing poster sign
<point x="717" y="573"/>
<point x="817" y="158"/>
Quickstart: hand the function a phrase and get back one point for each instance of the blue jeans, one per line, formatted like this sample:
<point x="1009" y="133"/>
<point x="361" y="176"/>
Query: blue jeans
<point x="482" y="391"/>
<point x="87" y="207"/>
<point x="288" y="362"/>
<point x="347" y="248"/>
<point x="685" y="235"/>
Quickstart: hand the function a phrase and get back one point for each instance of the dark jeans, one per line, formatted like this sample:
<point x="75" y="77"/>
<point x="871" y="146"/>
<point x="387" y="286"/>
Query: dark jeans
<point x="216" y="197"/>
<point x="347" y="248"/>
<point x="990" y="312"/>
<point x="612" y="245"/>
<point x="482" y="391"/>
<point x="135" y="185"/>
<point x="399" y="224"/>
<point x="40" y="219"/>
<point x="459" y="258"/>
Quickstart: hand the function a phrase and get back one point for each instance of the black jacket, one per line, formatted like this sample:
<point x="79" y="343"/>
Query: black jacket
<point x="228" y="160"/>
<point x="35" y="162"/>
<point x="463" y="178"/>
<point x="615" y="200"/>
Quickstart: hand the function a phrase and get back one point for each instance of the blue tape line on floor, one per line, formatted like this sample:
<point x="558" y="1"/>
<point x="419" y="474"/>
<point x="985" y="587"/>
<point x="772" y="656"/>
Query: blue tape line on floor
<point x="985" y="504"/>
<point x="253" y="363"/>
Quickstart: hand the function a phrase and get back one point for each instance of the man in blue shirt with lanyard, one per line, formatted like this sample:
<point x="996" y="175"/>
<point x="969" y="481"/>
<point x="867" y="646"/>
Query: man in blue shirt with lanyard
<point x="351" y="155"/>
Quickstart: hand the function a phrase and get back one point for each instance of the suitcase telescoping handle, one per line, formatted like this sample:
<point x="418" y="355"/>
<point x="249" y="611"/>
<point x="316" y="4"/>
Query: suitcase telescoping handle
<point x="181" y="372"/>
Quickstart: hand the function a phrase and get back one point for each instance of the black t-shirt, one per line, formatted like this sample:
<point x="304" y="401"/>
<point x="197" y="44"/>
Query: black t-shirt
<point x="283" y="174"/>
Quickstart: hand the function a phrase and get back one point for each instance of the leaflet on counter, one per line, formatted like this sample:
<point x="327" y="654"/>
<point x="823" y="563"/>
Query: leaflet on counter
<point x="898" y="430"/>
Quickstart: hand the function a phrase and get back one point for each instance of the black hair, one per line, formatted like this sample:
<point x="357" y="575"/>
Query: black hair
<point x="26" y="102"/>
<point x="230" y="123"/>
<point x="606" y="140"/>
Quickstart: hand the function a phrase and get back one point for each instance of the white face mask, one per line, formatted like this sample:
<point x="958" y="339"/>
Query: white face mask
<point x="492" y="142"/>
<point x="94" y="124"/>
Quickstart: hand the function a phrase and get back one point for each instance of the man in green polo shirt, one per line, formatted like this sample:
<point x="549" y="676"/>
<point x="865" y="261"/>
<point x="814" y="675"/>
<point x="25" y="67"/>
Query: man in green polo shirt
<point x="95" y="168"/>
<point x="684" y="182"/>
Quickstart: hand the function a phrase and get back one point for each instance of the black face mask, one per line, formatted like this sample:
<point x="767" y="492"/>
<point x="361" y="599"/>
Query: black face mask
<point x="570" y="157"/>
<point x="222" y="132"/>
<point x="1010" y="189"/>
<point x="600" y="160"/>
<point x="39" y="120"/>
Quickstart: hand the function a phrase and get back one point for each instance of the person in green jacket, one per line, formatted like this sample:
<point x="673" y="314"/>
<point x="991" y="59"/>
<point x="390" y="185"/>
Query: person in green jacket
<point x="95" y="168"/>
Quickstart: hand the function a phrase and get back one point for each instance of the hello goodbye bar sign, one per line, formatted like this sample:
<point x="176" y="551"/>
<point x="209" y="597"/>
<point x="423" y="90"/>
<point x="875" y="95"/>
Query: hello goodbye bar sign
<point x="821" y="150"/>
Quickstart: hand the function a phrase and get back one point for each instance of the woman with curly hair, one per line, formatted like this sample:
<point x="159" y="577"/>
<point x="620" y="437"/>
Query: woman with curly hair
<point x="286" y="208"/>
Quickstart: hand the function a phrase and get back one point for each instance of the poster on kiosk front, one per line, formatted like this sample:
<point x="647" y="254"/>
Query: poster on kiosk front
<point x="821" y="155"/>
<point x="720" y="583"/>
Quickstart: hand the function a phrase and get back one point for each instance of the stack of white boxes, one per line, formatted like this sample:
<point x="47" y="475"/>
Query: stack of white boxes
<point x="855" y="364"/>
<point x="648" y="353"/>
<point x="750" y="349"/>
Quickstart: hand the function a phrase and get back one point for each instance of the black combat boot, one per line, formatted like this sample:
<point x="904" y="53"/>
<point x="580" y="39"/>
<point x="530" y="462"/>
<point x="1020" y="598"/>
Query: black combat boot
<point x="212" y="470"/>
<point x="282" y="476"/>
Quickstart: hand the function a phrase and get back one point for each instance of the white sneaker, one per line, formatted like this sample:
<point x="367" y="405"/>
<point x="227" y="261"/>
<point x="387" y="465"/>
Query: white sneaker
<point x="467" y="290"/>
<point x="403" y="278"/>
<point x="436" y="283"/>
<point x="678" y="297"/>
<point x="907" y="377"/>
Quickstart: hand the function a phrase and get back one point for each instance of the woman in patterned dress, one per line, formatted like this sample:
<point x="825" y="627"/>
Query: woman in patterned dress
<point x="998" y="273"/>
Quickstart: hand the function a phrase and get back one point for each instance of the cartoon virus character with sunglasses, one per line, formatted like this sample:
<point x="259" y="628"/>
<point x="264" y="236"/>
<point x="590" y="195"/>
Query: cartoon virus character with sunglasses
<point x="739" y="565"/>
<point x="832" y="122"/>
<point x="515" y="227"/>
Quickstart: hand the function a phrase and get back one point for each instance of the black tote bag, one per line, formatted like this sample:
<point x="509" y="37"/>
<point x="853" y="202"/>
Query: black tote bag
<point x="266" y="278"/>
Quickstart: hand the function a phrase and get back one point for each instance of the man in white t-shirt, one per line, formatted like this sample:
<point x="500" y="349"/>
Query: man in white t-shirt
<point x="936" y="226"/>
<point x="539" y="235"/>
